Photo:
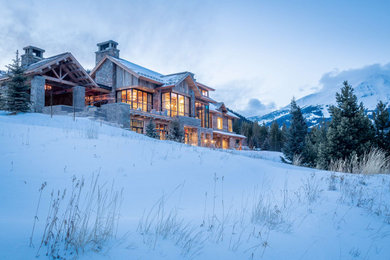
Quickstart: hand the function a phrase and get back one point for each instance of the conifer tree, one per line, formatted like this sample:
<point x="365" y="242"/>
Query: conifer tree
<point x="350" y="131"/>
<point x="296" y="135"/>
<point x="382" y="125"/>
<point x="176" y="132"/>
<point x="151" y="130"/>
<point x="17" y="91"/>
<point x="275" y="137"/>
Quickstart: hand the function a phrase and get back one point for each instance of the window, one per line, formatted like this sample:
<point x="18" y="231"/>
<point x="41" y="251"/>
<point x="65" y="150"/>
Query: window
<point x="137" y="99"/>
<point x="175" y="104"/>
<point x="137" y="126"/>
<point x="204" y="92"/>
<point x="219" y="123"/>
<point x="162" y="131"/>
<point x="202" y="113"/>
<point x="181" y="105"/>
<point x="230" y="125"/>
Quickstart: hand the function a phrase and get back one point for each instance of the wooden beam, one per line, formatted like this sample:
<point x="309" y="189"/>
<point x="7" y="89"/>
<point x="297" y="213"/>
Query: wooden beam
<point x="60" y="81"/>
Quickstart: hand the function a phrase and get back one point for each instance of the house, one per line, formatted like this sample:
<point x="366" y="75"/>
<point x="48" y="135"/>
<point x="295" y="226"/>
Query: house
<point x="149" y="95"/>
<point x="58" y="82"/>
<point x="122" y="92"/>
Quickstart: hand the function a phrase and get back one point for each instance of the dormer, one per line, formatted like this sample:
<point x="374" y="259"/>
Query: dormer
<point x="32" y="55"/>
<point x="106" y="48"/>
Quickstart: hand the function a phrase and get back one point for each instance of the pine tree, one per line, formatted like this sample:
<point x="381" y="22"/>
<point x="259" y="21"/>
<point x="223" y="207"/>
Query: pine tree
<point x="151" y="130"/>
<point x="350" y="131"/>
<point x="315" y="141"/>
<point x="3" y="97"/>
<point x="17" y="93"/>
<point x="275" y="137"/>
<point x="176" y="132"/>
<point x="296" y="135"/>
<point x="382" y="125"/>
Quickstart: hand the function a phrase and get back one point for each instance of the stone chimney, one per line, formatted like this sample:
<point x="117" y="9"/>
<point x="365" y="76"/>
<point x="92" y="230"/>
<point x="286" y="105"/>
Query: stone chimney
<point x="107" y="48"/>
<point x="31" y="55"/>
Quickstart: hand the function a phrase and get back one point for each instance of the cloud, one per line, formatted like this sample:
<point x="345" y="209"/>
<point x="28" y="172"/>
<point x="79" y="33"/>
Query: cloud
<point x="256" y="107"/>
<point x="333" y="80"/>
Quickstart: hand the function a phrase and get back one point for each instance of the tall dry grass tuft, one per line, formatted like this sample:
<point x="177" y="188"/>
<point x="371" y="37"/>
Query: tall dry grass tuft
<point x="373" y="162"/>
<point x="83" y="219"/>
<point x="297" y="160"/>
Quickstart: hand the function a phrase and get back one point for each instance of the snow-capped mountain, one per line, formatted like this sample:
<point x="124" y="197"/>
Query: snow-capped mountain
<point x="371" y="84"/>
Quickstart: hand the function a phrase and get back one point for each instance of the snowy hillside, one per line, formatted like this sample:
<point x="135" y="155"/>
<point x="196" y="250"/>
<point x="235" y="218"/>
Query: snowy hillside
<point x="371" y="84"/>
<point x="181" y="202"/>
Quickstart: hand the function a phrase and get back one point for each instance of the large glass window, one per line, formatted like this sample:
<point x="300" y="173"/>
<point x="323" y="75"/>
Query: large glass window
<point x="137" y="126"/>
<point x="219" y="123"/>
<point x="137" y="99"/>
<point x="162" y="131"/>
<point x="230" y="125"/>
<point x="202" y="113"/>
<point x="175" y="104"/>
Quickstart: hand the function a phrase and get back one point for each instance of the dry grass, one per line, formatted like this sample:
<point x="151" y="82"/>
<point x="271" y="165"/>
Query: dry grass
<point x="84" y="219"/>
<point x="373" y="162"/>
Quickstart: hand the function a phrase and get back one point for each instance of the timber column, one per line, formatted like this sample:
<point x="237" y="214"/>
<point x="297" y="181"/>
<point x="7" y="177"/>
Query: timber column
<point x="79" y="98"/>
<point x="37" y="94"/>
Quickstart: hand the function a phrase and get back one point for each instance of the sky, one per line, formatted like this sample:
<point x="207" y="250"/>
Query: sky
<point x="256" y="54"/>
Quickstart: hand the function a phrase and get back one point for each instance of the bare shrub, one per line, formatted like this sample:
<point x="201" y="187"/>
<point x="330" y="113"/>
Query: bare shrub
<point x="84" y="219"/>
<point x="373" y="162"/>
<point x="160" y="224"/>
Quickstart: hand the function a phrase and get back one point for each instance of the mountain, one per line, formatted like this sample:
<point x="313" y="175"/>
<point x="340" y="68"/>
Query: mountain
<point x="371" y="84"/>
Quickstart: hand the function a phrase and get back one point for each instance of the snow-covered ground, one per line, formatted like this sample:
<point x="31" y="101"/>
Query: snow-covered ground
<point x="192" y="202"/>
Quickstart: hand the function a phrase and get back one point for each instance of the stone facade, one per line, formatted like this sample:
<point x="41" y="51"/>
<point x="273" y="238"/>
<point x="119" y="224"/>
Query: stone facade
<point x="118" y="113"/>
<point x="79" y="97"/>
<point x="106" y="74"/>
<point x="37" y="96"/>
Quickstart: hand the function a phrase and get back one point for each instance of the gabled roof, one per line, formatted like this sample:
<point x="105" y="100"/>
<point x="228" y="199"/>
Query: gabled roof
<point x="220" y="107"/>
<point x="147" y="74"/>
<point x="204" y="86"/>
<point x="71" y="67"/>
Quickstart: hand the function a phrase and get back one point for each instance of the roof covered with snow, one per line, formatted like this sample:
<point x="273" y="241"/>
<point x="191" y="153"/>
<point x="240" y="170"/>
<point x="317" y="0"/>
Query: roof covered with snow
<point x="45" y="61"/>
<point x="165" y="80"/>
<point x="228" y="133"/>
<point x="216" y="107"/>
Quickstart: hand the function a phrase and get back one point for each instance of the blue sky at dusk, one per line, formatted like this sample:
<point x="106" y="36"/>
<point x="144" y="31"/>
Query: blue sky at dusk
<point x="257" y="54"/>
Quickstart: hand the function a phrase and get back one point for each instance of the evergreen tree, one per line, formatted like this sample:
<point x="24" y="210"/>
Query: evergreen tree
<point x="275" y="137"/>
<point x="151" y="130"/>
<point x="17" y="93"/>
<point x="382" y="125"/>
<point x="315" y="141"/>
<point x="3" y="98"/>
<point x="350" y="131"/>
<point x="176" y="132"/>
<point x="296" y="135"/>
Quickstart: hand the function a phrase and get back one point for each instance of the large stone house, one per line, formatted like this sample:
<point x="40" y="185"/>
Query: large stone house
<point x="130" y="95"/>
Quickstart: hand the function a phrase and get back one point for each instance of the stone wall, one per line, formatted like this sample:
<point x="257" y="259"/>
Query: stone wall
<point x="105" y="75"/>
<point x="37" y="94"/>
<point x="79" y="97"/>
<point x="118" y="113"/>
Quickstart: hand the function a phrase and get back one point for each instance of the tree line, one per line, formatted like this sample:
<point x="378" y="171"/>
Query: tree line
<point x="349" y="134"/>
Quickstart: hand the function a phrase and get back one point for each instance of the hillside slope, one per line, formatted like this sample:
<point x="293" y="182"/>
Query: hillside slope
<point x="217" y="204"/>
